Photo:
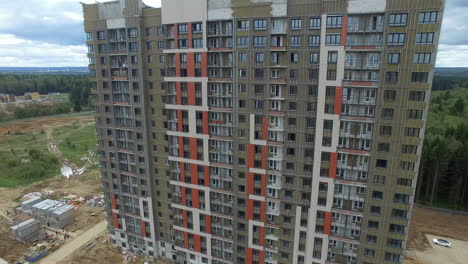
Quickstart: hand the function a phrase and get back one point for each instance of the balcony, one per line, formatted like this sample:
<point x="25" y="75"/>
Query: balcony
<point x="362" y="64"/>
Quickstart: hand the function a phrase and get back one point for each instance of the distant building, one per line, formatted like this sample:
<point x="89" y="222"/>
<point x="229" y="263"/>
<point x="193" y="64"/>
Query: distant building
<point x="32" y="96"/>
<point x="7" y="98"/>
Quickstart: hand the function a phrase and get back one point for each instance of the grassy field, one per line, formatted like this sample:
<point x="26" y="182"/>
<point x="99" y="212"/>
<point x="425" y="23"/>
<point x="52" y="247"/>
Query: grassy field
<point x="24" y="159"/>
<point x="76" y="142"/>
<point x="24" y="156"/>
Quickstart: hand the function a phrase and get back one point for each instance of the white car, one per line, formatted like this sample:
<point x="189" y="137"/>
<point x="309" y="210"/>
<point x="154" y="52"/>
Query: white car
<point x="441" y="242"/>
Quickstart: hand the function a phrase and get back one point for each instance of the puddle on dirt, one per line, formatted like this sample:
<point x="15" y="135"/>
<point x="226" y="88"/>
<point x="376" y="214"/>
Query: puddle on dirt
<point x="67" y="172"/>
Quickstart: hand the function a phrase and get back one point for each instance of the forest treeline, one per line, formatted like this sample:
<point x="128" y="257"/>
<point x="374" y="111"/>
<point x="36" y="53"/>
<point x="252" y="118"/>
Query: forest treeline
<point x="76" y="85"/>
<point x="443" y="179"/>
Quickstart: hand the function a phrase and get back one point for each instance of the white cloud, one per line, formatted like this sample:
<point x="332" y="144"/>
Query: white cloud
<point x="452" y="56"/>
<point x="17" y="52"/>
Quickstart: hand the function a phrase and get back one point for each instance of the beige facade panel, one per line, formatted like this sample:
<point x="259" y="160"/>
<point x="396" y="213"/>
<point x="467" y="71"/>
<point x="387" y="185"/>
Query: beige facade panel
<point x="183" y="11"/>
<point x="366" y="6"/>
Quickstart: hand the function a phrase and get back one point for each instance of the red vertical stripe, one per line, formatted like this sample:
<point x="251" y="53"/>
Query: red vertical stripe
<point x="206" y="130"/>
<point x="264" y="185"/>
<point x="193" y="170"/>
<point x="195" y="199"/>
<point x="190" y="43"/>
<point x="260" y="257"/>
<point x="115" y="218"/>
<point x="178" y="93"/>
<point x="344" y="30"/>
<point x="193" y="154"/>
<point x="264" y="157"/>
<point x="327" y="224"/>
<point x="177" y="64"/>
<point x="262" y="236"/>
<point x="191" y="93"/>
<point x="186" y="242"/>
<point x="181" y="147"/>
<point x="197" y="243"/>
<point x="182" y="171"/>
<point x="333" y="165"/>
<point x="265" y="128"/>
<point x="190" y="64"/>
<point x="249" y="209"/>
<point x="250" y="183"/>
<point x="143" y="228"/>
<point x="208" y="223"/>
<point x="338" y="100"/>
<point x="248" y="256"/>
<point x="184" y="198"/>
<point x="176" y="36"/>
<point x="113" y="202"/>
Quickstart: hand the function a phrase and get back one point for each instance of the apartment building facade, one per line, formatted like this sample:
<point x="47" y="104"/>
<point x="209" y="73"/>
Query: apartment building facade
<point x="262" y="131"/>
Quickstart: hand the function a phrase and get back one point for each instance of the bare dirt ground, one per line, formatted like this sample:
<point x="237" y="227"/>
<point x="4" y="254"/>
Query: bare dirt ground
<point x="9" y="247"/>
<point x="434" y="223"/>
<point x="38" y="124"/>
<point x="456" y="254"/>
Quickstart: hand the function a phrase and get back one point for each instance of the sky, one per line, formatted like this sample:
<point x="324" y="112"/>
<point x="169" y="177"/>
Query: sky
<point x="49" y="33"/>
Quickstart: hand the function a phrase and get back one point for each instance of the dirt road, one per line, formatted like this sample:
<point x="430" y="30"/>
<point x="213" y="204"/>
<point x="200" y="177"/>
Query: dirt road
<point x="75" y="244"/>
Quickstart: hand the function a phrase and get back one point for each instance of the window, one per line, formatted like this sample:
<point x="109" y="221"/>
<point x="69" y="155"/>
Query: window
<point x="383" y="147"/>
<point x="405" y="182"/>
<point x="396" y="243"/>
<point x="331" y="75"/>
<point x="243" y="42"/>
<point x="296" y="24"/>
<point x="242" y="57"/>
<point x="90" y="48"/>
<point x="182" y="29"/>
<point x="409" y="149"/>
<point x="387" y="113"/>
<point x="132" y="46"/>
<point x="243" y="25"/>
<point x="182" y="43"/>
<point x="427" y="17"/>
<point x="424" y="38"/>
<point x="398" y="20"/>
<point x="381" y="163"/>
<point x="389" y="95"/>
<point x="197" y="43"/>
<point x="296" y="41"/>
<point x="132" y="32"/>
<point x="333" y="40"/>
<point x="160" y="31"/>
<point x="370" y="239"/>
<point x="332" y="57"/>
<point x="334" y="21"/>
<point x="242" y="73"/>
<point x="415" y="114"/>
<point x="373" y="224"/>
<point x="197" y="28"/>
<point x="101" y="35"/>
<point x="401" y="198"/>
<point x="160" y="45"/>
<point x="294" y="57"/>
<point x="260" y="24"/>
<point x="396" y="39"/>
<point x="419" y="76"/>
<point x="394" y="228"/>
<point x="259" y="73"/>
<point x="259" y="41"/>
<point x="149" y="32"/>
<point x="369" y="252"/>
<point x="393" y="58"/>
<point x="314" y="57"/>
<point x="314" y="41"/>
<point x="422" y="58"/>
<point x="102" y="48"/>
<point x="260" y="57"/>
<point x="416" y="96"/>
<point x="412" y="132"/>
<point x="314" y="23"/>
<point x="89" y="36"/>
<point x="385" y="130"/>
<point x="149" y="45"/>
<point x="312" y="90"/>
<point x="377" y="195"/>
<point x="391" y="77"/>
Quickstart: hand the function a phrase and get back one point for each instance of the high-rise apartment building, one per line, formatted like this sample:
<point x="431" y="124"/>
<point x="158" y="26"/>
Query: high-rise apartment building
<point x="262" y="131"/>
